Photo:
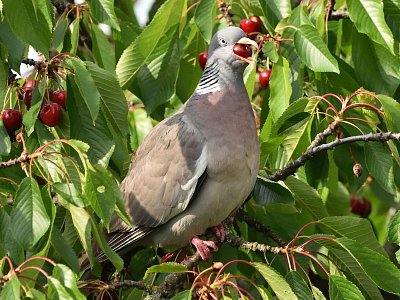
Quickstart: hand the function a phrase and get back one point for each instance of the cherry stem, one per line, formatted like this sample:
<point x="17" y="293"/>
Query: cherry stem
<point x="37" y="258"/>
<point x="9" y="180"/>
<point x="340" y="99"/>
<point x="353" y="125"/>
<point x="44" y="273"/>
<point x="316" y="260"/>
<point x="324" y="255"/>
<point x="366" y="105"/>
<point x="365" y="121"/>
<point x="8" y="259"/>
<point x="191" y="7"/>
<point x="328" y="102"/>
<point x="325" y="238"/>
<point x="291" y="243"/>
<point x="231" y="262"/>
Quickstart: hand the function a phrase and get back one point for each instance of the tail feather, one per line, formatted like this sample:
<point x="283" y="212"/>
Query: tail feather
<point x="118" y="242"/>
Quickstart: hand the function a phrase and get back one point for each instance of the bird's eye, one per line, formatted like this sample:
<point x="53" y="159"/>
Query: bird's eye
<point x="223" y="42"/>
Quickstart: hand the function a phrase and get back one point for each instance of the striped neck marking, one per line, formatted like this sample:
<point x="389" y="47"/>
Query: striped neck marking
<point x="209" y="81"/>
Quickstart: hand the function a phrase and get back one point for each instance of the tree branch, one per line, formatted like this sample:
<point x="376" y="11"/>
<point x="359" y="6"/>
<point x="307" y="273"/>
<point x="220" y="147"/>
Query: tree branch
<point x="241" y="215"/>
<point x="292" y="167"/>
<point x="12" y="162"/>
<point x="236" y="241"/>
<point x="133" y="284"/>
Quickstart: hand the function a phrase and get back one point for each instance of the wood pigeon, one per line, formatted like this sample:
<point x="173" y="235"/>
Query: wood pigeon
<point x="198" y="166"/>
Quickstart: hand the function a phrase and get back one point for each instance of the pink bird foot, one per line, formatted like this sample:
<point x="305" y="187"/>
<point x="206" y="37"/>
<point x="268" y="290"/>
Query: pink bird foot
<point x="203" y="247"/>
<point x="219" y="232"/>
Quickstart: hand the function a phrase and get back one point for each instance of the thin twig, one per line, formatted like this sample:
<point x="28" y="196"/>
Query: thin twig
<point x="292" y="167"/>
<point x="242" y="216"/>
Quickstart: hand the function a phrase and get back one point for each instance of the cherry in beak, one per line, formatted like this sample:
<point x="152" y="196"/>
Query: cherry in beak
<point x="243" y="51"/>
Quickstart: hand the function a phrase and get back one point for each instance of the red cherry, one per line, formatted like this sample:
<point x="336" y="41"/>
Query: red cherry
<point x="59" y="97"/>
<point x="12" y="119"/>
<point x="28" y="98"/>
<point x="50" y="114"/>
<point x="249" y="26"/>
<point x="242" y="50"/>
<point x="256" y="20"/>
<point x="264" y="77"/>
<point x="203" y="59"/>
<point x="29" y="85"/>
<point x="361" y="207"/>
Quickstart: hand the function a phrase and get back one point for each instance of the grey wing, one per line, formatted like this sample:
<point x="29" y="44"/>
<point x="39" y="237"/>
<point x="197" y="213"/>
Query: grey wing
<point x="163" y="177"/>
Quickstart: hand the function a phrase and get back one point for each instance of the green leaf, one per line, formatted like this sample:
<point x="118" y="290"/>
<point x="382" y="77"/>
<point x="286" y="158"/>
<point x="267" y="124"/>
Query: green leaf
<point x="74" y="27"/>
<point x="392" y="112"/>
<point x="103" y="12"/>
<point x="275" y="280"/>
<point x="98" y="233"/>
<point x="269" y="49"/>
<point x="59" y="33"/>
<point x="137" y="54"/>
<point x="36" y="16"/>
<point x="97" y="137"/>
<point x="101" y="49"/>
<point x="354" y="228"/>
<point x="99" y="188"/>
<point x="15" y="47"/>
<point x="348" y="264"/>
<point x="11" y="290"/>
<point x="295" y="112"/>
<point x="64" y="249"/>
<point x="317" y="294"/>
<point x="249" y="79"/>
<point x="29" y="214"/>
<point x="69" y="193"/>
<point x="168" y="267"/>
<point x="68" y="280"/>
<point x="30" y="117"/>
<point x="82" y="225"/>
<point x="268" y="192"/>
<point x="281" y="8"/>
<point x="368" y="17"/>
<point x="391" y="8"/>
<point x="376" y="68"/>
<point x="379" y="163"/>
<point x="313" y="51"/>
<point x="87" y="87"/>
<point x="161" y="71"/>
<point x="388" y="277"/>
<point x="280" y="88"/>
<point x="184" y="295"/>
<point x="189" y="69"/>
<point x="342" y="289"/>
<point x="112" y="97"/>
<point x="8" y="244"/>
<point x="140" y="125"/>
<point x="204" y="18"/>
<point x="307" y="197"/>
<point x="299" y="286"/>
<point x="5" y="143"/>
<point x="56" y="290"/>
<point x="394" y="229"/>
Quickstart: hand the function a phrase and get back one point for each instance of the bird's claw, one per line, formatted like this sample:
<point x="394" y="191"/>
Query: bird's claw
<point x="219" y="232"/>
<point x="203" y="247"/>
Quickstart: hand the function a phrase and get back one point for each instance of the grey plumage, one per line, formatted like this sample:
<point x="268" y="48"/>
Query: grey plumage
<point x="196" y="167"/>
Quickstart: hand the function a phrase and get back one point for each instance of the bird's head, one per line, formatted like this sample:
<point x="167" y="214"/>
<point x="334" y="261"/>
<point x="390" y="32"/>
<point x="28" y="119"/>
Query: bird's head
<point x="231" y="49"/>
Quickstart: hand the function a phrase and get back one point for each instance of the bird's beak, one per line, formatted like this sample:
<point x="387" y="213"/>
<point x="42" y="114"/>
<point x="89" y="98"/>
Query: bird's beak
<point x="247" y="41"/>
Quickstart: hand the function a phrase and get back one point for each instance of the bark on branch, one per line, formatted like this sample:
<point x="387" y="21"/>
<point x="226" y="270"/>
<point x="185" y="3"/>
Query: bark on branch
<point x="292" y="167"/>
